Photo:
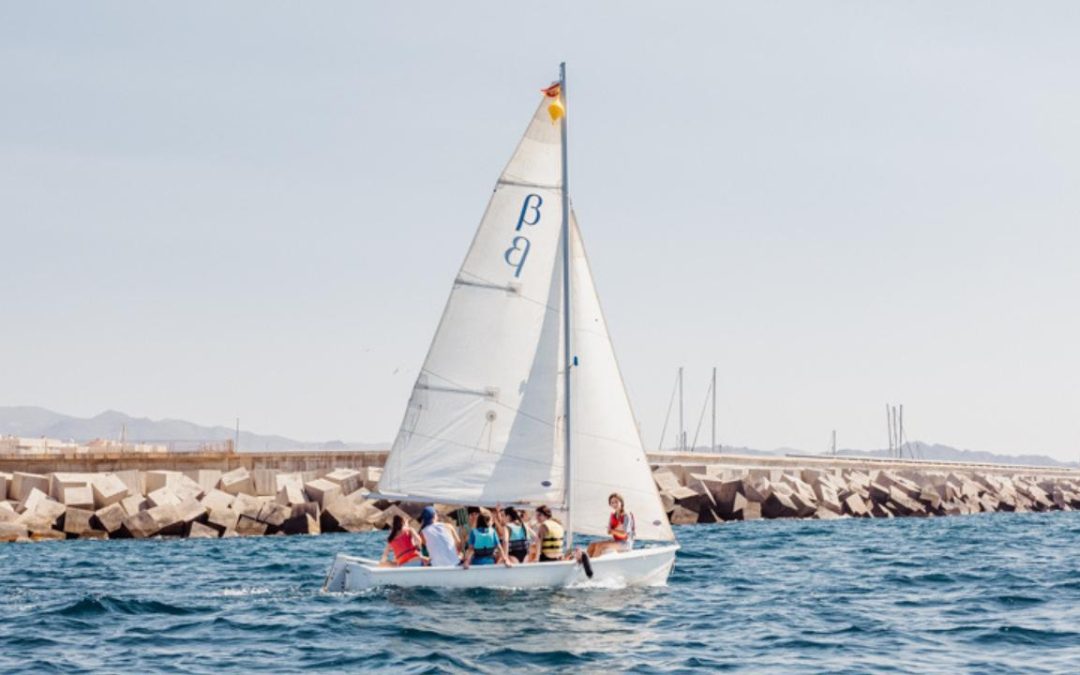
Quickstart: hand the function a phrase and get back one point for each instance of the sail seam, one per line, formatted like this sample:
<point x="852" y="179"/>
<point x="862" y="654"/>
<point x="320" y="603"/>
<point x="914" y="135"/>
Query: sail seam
<point x="521" y="183"/>
<point x="486" y="451"/>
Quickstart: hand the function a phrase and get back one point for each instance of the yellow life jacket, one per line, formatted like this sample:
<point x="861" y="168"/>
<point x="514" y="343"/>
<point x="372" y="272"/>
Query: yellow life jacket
<point x="551" y="545"/>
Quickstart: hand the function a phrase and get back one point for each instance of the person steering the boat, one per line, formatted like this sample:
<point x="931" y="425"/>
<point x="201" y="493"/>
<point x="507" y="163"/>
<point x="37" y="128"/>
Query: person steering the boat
<point x="483" y="545"/>
<point x="620" y="527"/>
<point x="549" y="537"/>
<point x="514" y="533"/>
<point x="441" y="540"/>
<point x="405" y="543"/>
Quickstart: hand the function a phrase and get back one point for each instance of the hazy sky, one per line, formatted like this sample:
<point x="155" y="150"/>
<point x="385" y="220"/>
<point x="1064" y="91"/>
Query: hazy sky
<point x="211" y="210"/>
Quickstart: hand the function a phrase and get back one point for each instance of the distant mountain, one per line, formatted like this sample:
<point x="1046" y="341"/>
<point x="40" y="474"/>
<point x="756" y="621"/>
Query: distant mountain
<point x="944" y="453"/>
<point x="36" y="422"/>
<point x="928" y="451"/>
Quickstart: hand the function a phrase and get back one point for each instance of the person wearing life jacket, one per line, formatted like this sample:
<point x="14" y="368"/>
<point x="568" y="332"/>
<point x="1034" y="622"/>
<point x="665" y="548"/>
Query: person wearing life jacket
<point x="405" y="544"/>
<point x="549" y="537"/>
<point x="514" y="533"/>
<point x="440" y="540"/>
<point x="483" y="546"/>
<point x="620" y="527"/>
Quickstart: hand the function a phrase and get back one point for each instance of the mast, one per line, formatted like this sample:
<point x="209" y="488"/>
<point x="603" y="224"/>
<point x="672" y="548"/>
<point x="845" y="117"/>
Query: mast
<point x="567" y="354"/>
<point x="713" y="448"/>
<point x="682" y="426"/>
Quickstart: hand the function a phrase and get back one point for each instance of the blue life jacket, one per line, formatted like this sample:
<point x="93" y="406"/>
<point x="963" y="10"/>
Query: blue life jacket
<point x="484" y="543"/>
<point x="518" y="541"/>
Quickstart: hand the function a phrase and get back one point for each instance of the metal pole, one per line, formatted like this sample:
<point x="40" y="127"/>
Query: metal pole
<point x="713" y="448"/>
<point x="900" y="435"/>
<point x="888" y="422"/>
<point x="567" y="354"/>
<point x="682" y="428"/>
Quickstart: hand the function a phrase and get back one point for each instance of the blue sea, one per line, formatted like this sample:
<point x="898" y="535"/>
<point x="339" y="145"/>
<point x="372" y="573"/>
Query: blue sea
<point x="990" y="593"/>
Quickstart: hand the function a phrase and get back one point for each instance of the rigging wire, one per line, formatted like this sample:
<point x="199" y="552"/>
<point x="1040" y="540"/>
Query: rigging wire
<point x="667" y="418"/>
<point x="701" y="418"/>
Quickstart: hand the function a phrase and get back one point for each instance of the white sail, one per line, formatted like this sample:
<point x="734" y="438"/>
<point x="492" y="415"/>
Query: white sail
<point x="480" y="426"/>
<point x="606" y="448"/>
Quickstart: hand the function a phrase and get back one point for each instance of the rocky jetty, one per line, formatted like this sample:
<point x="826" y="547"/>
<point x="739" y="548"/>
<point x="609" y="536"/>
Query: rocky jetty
<point x="710" y="493"/>
<point x="212" y="504"/>
<point x="198" y="504"/>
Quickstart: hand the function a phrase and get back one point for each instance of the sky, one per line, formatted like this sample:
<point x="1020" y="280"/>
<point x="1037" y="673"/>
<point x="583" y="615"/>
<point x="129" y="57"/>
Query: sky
<point x="256" y="209"/>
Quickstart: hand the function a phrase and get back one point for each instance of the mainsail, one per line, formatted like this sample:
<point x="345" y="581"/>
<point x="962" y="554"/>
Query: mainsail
<point x="484" y="424"/>
<point x="480" y="426"/>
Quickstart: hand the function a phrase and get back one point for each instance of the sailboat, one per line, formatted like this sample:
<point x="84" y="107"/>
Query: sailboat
<point x="520" y="400"/>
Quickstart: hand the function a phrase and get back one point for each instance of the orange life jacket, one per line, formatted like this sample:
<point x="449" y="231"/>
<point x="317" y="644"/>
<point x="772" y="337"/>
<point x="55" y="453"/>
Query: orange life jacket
<point x="404" y="549"/>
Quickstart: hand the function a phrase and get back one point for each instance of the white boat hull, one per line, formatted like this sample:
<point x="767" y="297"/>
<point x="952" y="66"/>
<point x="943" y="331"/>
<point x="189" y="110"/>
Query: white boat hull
<point x="640" y="567"/>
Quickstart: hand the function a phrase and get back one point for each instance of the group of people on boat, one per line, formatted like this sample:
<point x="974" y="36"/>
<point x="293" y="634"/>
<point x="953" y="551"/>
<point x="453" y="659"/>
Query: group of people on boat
<point x="502" y="536"/>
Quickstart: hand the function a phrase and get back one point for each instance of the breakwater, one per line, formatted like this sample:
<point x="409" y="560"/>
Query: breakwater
<point x="304" y="493"/>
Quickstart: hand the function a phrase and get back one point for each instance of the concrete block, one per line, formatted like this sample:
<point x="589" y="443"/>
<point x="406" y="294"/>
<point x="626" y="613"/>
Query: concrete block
<point x="46" y="535"/>
<point x="265" y="481"/>
<point x="58" y="482"/>
<point x="5" y="481"/>
<point x="880" y="510"/>
<point x="666" y="480"/>
<point x="7" y="512"/>
<point x="22" y="484"/>
<point x="215" y="499"/>
<point x="371" y="476"/>
<point x="168" y="520"/>
<point x="79" y="497"/>
<point x="824" y="513"/>
<point x="757" y="490"/>
<point x="77" y="521"/>
<point x="155" y="480"/>
<point x="901" y="504"/>
<point x="13" y="532"/>
<point x="38" y="505"/>
<point x="246" y="505"/>
<point x="291" y="494"/>
<point x="384" y="520"/>
<point x="751" y="511"/>
<point x="133" y="480"/>
<point x="303" y="519"/>
<point x="283" y="479"/>
<point x="190" y="510"/>
<point x="134" y="504"/>
<point x="207" y="479"/>
<point x="142" y="525"/>
<point x="108" y="489"/>
<point x="223" y="520"/>
<point x="854" y="505"/>
<point x="200" y="531"/>
<point x="779" y="505"/>
<point x="237" y="481"/>
<point x="274" y="514"/>
<point x="349" y="480"/>
<point x="682" y="516"/>
<point x="163" y="497"/>
<point x="249" y="527"/>
<point x="110" y="518"/>
<point x="345" y="516"/>
<point x="322" y="491"/>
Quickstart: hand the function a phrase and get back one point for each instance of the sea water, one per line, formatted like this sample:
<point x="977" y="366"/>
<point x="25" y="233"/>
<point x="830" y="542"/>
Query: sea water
<point x="989" y="593"/>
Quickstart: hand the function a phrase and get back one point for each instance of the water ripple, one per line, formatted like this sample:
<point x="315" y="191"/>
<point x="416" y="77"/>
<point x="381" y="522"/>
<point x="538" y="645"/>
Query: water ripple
<point x="994" y="593"/>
